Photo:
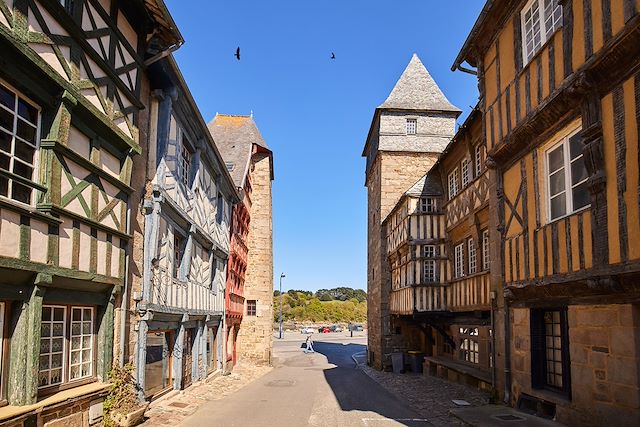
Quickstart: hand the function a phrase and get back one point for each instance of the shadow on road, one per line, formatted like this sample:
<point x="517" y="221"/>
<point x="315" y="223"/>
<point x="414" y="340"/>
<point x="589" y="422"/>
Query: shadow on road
<point x="355" y="391"/>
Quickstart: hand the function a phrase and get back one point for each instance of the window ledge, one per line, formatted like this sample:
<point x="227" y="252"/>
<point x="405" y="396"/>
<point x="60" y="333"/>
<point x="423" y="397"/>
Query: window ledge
<point x="12" y="411"/>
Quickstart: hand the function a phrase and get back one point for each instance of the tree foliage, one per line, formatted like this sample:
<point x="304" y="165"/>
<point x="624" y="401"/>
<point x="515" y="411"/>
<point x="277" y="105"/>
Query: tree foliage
<point x="326" y="305"/>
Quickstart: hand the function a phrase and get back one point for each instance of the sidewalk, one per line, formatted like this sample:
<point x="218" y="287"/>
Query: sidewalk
<point x="177" y="406"/>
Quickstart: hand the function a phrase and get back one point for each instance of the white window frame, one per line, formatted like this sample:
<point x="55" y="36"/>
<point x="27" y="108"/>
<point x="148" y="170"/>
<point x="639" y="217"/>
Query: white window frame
<point x="13" y="133"/>
<point x="472" y="253"/>
<point x="453" y="183"/>
<point x="465" y="172"/>
<point x="82" y="337"/>
<point x="568" y="188"/>
<point x="64" y="347"/>
<point x="542" y="14"/>
<point x="478" y="159"/>
<point x="429" y="265"/>
<point x="486" y="261"/>
<point x="459" y="260"/>
<point x="412" y="127"/>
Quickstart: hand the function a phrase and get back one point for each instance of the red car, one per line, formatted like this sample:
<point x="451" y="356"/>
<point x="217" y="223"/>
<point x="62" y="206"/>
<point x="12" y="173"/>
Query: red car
<point x="324" y="330"/>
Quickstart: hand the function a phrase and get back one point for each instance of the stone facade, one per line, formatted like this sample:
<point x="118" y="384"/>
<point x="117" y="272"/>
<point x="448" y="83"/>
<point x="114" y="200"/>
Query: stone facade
<point x="396" y="159"/>
<point x="604" y="348"/>
<point x="256" y="332"/>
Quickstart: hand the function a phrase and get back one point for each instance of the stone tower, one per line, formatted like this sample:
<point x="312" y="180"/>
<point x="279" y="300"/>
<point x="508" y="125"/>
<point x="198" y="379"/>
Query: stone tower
<point x="407" y="134"/>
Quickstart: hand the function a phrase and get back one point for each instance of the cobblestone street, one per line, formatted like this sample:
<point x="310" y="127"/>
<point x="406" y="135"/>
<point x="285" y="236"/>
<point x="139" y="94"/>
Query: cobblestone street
<point x="431" y="397"/>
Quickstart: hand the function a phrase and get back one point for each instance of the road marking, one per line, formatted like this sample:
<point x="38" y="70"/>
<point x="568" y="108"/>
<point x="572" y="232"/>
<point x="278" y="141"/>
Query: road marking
<point x="377" y="421"/>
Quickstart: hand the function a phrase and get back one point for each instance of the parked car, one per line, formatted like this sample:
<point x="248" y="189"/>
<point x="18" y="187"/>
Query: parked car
<point x="356" y="328"/>
<point x="307" y="330"/>
<point x="324" y="330"/>
<point x="335" y="328"/>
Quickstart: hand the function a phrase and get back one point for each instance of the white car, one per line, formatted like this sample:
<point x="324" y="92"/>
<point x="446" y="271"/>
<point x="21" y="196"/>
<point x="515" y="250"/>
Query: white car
<point x="307" y="330"/>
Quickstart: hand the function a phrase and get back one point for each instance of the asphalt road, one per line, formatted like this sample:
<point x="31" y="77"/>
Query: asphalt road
<point x="320" y="389"/>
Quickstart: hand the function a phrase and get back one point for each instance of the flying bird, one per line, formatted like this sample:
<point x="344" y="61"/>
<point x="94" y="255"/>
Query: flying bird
<point x="237" y="55"/>
<point x="333" y="55"/>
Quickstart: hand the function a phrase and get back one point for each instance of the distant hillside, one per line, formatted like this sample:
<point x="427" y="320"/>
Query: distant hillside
<point x="338" y="305"/>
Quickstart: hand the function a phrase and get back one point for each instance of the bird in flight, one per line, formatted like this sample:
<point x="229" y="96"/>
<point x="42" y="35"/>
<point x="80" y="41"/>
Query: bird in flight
<point x="333" y="55"/>
<point x="237" y="55"/>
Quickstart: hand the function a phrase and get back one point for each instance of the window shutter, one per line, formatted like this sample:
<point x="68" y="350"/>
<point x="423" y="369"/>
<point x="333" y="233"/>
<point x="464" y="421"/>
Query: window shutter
<point x="517" y="41"/>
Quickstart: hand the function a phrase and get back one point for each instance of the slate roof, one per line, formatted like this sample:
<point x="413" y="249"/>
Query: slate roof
<point x="428" y="185"/>
<point x="416" y="90"/>
<point x="235" y="136"/>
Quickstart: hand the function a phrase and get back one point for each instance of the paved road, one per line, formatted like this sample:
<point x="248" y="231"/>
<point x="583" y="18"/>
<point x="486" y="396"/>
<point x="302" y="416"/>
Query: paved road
<point x="318" y="390"/>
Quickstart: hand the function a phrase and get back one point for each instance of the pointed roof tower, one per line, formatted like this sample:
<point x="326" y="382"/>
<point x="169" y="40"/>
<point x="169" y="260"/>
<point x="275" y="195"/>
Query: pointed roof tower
<point x="416" y="90"/>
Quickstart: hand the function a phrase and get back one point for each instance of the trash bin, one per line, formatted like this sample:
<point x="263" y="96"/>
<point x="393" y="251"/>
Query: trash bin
<point x="397" y="361"/>
<point x="415" y="361"/>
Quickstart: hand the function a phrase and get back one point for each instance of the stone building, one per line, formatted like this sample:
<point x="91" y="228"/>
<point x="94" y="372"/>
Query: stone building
<point x="73" y="111"/>
<point x="408" y="132"/>
<point x="559" y="85"/>
<point x="180" y="332"/>
<point x="250" y="162"/>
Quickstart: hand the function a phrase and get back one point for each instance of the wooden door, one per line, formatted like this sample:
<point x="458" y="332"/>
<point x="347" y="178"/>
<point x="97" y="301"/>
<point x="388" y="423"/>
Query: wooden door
<point x="187" y="358"/>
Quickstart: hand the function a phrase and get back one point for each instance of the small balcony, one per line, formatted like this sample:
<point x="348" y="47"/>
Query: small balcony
<point x="470" y="293"/>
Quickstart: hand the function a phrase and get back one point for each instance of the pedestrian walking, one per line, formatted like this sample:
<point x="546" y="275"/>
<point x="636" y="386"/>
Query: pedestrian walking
<point x="308" y="348"/>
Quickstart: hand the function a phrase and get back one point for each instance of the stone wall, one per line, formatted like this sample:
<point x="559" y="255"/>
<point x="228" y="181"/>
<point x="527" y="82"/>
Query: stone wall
<point x="604" y="345"/>
<point x="433" y="131"/>
<point x="389" y="178"/>
<point x="255" y="335"/>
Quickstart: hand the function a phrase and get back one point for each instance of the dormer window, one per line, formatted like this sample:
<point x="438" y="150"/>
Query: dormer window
<point x="427" y="205"/>
<point x="540" y="19"/>
<point x="412" y="126"/>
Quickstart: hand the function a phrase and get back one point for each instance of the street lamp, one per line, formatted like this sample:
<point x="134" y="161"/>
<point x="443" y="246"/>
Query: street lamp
<point x="281" y="277"/>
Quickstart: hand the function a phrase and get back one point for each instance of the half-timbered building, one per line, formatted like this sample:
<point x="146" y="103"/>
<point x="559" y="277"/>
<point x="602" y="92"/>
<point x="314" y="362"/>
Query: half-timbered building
<point x="186" y="242"/>
<point x="73" y="93"/>
<point x="560" y="85"/>
<point x="250" y="280"/>
<point x="408" y="132"/>
<point x="437" y="249"/>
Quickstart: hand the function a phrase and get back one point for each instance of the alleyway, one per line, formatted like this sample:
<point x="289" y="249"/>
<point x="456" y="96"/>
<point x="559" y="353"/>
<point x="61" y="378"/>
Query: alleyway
<point x="327" y="389"/>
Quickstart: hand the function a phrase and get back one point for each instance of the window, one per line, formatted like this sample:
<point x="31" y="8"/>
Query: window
<point x="479" y="154"/>
<point x="185" y="165"/>
<point x="459" y="260"/>
<point x="566" y="177"/>
<point x="469" y="348"/>
<point x="427" y="205"/>
<point x="429" y="252"/>
<point x="412" y="126"/>
<point x="220" y="209"/>
<point x="550" y="349"/>
<point x="485" y="250"/>
<point x="214" y="272"/>
<point x="251" y="307"/>
<point x="539" y="19"/>
<point x="453" y="183"/>
<point x="19" y="135"/>
<point x="178" y="253"/>
<point x="472" y="255"/>
<point x="466" y="172"/>
<point x="66" y="344"/>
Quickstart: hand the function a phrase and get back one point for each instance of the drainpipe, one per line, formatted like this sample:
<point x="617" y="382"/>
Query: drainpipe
<point x="507" y="354"/>
<point x="125" y="292"/>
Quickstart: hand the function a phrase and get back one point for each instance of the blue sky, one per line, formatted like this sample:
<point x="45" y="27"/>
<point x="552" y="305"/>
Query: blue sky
<point x="314" y="112"/>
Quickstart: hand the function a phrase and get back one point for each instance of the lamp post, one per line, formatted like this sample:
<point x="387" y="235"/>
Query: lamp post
<point x="281" y="277"/>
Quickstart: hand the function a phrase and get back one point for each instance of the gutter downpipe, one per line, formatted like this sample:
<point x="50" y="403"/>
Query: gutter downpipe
<point x="466" y="70"/>
<point x="125" y="293"/>
<point x="507" y="354"/>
